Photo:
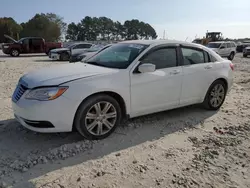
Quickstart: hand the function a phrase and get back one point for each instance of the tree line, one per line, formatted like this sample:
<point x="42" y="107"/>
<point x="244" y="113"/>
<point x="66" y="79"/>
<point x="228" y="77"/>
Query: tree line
<point x="103" y="28"/>
<point x="52" y="28"/>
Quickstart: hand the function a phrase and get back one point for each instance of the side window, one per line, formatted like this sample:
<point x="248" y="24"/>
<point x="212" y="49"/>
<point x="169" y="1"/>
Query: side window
<point x="223" y="45"/>
<point x="162" y="58"/>
<point x="192" y="56"/>
<point x="228" y="45"/>
<point x="26" y="41"/>
<point x="233" y="45"/>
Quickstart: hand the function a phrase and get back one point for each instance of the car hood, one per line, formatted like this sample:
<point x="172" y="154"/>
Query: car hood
<point x="59" y="74"/>
<point x="8" y="37"/>
<point x="60" y="50"/>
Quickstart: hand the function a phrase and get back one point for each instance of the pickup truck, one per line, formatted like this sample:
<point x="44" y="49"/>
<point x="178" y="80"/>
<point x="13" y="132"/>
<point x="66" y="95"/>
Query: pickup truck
<point x="29" y="45"/>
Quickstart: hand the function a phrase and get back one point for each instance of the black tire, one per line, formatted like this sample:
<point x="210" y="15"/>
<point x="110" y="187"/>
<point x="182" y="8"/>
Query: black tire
<point x="231" y="56"/>
<point x="64" y="57"/>
<point x="207" y="101"/>
<point x="14" y="52"/>
<point x="244" y="55"/>
<point x="47" y="53"/>
<point x="80" y="117"/>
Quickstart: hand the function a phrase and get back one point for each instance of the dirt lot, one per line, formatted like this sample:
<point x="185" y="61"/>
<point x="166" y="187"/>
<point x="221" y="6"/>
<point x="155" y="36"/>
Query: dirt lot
<point x="187" y="147"/>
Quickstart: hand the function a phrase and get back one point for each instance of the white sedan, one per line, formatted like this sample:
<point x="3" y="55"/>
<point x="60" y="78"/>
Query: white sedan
<point x="129" y="79"/>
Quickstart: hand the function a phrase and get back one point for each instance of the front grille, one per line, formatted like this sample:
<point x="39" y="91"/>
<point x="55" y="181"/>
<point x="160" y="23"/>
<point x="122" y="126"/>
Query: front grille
<point x="19" y="91"/>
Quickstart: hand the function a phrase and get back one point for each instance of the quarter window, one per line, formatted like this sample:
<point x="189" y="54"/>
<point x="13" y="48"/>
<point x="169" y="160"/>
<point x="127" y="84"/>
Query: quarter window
<point x="193" y="56"/>
<point x="162" y="58"/>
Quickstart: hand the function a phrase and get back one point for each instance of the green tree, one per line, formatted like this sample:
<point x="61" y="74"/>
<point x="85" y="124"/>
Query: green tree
<point x="104" y="28"/>
<point x="42" y="25"/>
<point x="9" y="27"/>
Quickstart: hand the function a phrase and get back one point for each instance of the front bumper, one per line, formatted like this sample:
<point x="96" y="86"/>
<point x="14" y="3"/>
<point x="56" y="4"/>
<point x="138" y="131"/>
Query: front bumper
<point x="54" y="56"/>
<point x="45" y="116"/>
<point x="246" y="52"/>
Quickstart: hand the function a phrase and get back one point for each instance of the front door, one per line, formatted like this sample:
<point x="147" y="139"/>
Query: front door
<point x="158" y="90"/>
<point x="25" y="45"/>
<point x="198" y="73"/>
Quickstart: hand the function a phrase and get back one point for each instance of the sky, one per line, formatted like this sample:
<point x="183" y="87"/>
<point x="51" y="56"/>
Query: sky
<point x="181" y="19"/>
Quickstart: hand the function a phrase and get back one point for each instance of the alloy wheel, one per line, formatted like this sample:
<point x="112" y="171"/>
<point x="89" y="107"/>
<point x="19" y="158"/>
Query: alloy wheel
<point x="217" y="95"/>
<point x="15" y="53"/>
<point x="100" y="118"/>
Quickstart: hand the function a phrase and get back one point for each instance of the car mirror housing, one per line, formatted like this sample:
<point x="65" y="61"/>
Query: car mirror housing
<point x="147" y="67"/>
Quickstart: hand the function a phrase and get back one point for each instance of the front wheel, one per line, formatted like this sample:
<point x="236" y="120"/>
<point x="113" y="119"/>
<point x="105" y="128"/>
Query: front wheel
<point x="64" y="57"/>
<point x="98" y="117"/>
<point x="244" y="55"/>
<point x="14" y="53"/>
<point x="215" y="96"/>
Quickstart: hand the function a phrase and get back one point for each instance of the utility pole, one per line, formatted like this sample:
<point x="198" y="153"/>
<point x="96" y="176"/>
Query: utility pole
<point x="164" y="34"/>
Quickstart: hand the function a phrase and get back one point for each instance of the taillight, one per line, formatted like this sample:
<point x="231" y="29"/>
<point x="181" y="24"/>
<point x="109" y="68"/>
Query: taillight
<point x="61" y="44"/>
<point x="232" y="66"/>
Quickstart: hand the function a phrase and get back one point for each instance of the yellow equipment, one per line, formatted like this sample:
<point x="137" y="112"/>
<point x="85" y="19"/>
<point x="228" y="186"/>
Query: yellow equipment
<point x="210" y="37"/>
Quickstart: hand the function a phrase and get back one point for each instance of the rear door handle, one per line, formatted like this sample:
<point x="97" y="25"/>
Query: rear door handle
<point x="175" y="72"/>
<point x="208" y="67"/>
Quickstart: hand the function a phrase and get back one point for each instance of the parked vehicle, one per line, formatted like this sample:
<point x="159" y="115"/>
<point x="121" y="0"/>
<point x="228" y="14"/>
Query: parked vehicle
<point x="246" y="51"/>
<point x="224" y="48"/>
<point x="126" y="80"/>
<point x="87" y="53"/>
<point x="29" y="45"/>
<point x="63" y="54"/>
<point x="242" y="46"/>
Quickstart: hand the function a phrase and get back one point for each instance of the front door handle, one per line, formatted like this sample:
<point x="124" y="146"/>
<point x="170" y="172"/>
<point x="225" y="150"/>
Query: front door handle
<point x="175" y="72"/>
<point x="208" y="67"/>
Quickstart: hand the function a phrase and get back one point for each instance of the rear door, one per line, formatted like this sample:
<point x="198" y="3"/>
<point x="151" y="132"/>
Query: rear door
<point x="198" y="73"/>
<point x="36" y="45"/>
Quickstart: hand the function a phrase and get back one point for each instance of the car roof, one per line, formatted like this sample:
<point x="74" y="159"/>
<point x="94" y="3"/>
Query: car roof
<point x="155" y="42"/>
<point x="222" y="42"/>
<point x="81" y="43"/>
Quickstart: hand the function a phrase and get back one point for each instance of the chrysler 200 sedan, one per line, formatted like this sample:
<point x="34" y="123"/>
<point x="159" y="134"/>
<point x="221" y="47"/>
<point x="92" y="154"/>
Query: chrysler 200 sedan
<point x="126" y="80"/>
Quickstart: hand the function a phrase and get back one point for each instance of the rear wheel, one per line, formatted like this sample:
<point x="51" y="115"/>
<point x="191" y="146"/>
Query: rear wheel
<point x="216" y="95"/>
<point x="64" y="57"/>
<point x="98" y="117"/>
<point x="14" y="53"/>
<point x="244" y="55"/>
<point x="231" y="56"/>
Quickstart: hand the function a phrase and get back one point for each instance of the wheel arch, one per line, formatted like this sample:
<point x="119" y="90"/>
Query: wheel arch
<point x="113" y="94"/>
<point x="221" y="79"/>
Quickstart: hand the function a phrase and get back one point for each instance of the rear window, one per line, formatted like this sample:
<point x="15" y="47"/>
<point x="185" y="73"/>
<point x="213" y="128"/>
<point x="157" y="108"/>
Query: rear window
<point x="214" y="45"/>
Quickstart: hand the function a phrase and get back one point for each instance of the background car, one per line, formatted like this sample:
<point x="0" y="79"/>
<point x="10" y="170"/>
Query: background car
<point x="246" y="51"/>
<point x="63" y="54"/>
<point x="126" y="80"/>
<point x="223" y="48"/>
<point x="87" y="53"/>
<point x="29" y="45"/>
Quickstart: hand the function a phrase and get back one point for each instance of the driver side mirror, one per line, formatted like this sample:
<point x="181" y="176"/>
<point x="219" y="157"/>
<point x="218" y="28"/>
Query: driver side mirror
<point x="222" y="47"/>
<point x="147" y="67"/>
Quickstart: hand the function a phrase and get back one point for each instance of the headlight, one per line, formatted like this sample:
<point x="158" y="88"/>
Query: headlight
<point x="46" y="93"/>
<point x="5" y="46"/>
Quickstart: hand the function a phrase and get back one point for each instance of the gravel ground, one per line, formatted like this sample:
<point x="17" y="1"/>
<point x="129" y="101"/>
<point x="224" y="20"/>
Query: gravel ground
<point x="187" y="147"/>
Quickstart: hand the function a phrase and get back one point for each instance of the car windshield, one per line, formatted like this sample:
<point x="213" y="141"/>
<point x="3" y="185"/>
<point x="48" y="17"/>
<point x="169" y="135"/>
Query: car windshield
<point x="213" y="45"/>
<point x="118" y="56"/>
